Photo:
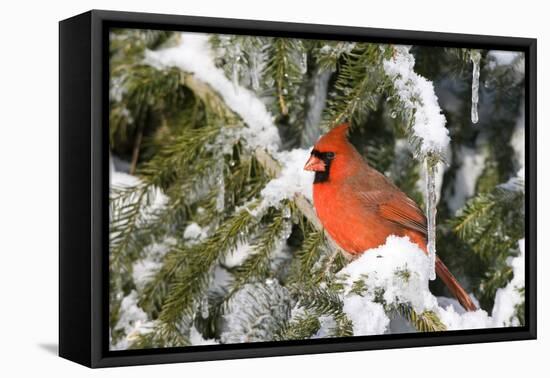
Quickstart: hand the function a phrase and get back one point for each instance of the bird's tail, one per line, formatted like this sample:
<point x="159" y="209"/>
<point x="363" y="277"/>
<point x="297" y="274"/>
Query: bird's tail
<point x="454" y="286"/>
<point x="446" y="276"/>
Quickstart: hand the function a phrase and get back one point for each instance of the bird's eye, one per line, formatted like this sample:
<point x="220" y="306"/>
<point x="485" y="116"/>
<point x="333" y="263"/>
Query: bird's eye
<point x="330" y="155"/>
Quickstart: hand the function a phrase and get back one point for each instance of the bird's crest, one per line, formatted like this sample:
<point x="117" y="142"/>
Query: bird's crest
<point x="334" y="140"/>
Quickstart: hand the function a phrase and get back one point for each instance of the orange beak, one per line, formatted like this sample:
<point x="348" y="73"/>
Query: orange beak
<point x="315" y="164"/>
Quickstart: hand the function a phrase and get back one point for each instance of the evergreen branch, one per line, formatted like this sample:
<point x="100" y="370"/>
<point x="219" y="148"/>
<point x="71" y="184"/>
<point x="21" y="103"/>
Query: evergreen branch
<point x="143" y="89"/>
<point x="356" y="86"/>
<point x="242" y="57"/>
<point x="475" y="221"/>
<point x="328" y="54"/>
<point x="131" y="43"/>
<point x="300" y="328"/>
<point x="161" y="335"/>
<point x="322" y="301"/>
<point x="175" y="158"/>
<point x="282" y="66"/>
<point x="270" y="165"/>
<point x="126" y="216"/>
<point x="192" y="280"/>
<point x="309" y="254"/>
<point x="256" y="266"/>
<point x="472" y="214"/>
<point x="427" y="321"/>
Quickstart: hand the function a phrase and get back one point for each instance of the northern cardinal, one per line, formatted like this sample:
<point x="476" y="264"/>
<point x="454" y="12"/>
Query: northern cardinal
<point x="359" y="207"/>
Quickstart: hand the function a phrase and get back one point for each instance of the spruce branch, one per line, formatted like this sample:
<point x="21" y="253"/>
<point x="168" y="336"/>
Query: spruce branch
<point x="475" y="221"/>
<point x="300" y="328"/>
<point x="191" y="281"/>
<point x="309" y="254"/>
<point x="427" y="321"/>
<point x="357" y="86"/>
<point x="283" y="67"/>
<point x="256" y="266"/>
<point x="328" y="54"/>
<point x="126" y="209"/>
<point x="322" y="301"/>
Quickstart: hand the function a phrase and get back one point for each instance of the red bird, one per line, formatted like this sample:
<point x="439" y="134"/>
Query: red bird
<point x="359" y="207"/>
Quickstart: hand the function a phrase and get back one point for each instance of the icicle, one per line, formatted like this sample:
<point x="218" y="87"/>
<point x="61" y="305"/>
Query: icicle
<point x="303" y="63"/>
<point x="235" y="75"/>
<point x="286" y="212"/>
<point x="475" y="57"/>
<point x="287" y="230"/>
<point x="431" y="210"/>
<point x="205" y="313"/>
<point x="254" y="74"/>
<point x="220" y="199"/>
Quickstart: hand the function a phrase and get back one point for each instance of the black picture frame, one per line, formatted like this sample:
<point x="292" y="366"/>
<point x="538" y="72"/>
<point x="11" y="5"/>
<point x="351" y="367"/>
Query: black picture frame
<point x="84" y="179"/>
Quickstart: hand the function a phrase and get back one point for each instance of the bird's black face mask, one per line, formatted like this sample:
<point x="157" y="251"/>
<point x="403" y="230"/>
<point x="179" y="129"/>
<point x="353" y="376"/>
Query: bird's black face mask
<point x="320" y="162"/>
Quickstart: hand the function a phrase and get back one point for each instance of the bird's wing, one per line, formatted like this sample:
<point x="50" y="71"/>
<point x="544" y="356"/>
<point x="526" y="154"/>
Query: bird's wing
<point x="404" y="211"/>
<point x="397" y="208"/>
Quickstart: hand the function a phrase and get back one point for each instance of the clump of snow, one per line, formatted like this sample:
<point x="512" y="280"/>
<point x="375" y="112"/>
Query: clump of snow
<point x="472" y="165"/>
<point x="399" y="268"/>
<point x="418" y="96"/>
<point x="130" y="313"/>
<point x="238" y="255"/>
<point x="292" y="180"/>
<point x="117" y="89"/>
<point x="397" y="273"/>
<point x="144" y="269"/>
<point x="155" y="198"/>
<point x="327" y="324"/>
<point x="121" y="179"/>
<point x="133" y="321"/>
<point x="336" y="50"/>
<point x="457" y="320"/>
<point x="194" y="232"/>
<point x="193" y="55"/>
<point x="509" y="297"/>
<point x="368" y="317"/>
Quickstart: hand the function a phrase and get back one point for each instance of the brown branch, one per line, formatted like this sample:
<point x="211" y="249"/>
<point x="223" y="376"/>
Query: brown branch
<point x="135" y="152"/>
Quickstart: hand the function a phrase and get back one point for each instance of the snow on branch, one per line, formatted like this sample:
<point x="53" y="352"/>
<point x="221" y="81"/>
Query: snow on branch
<point x="510" y="297"/>
<point x="394" y="273"/>
<point x="193" y="55"/>
<point x="417" y="95"/>
<point x="397" y="272"/>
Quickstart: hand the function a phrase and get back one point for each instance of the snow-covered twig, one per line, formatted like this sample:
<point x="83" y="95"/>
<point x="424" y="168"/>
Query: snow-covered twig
<point x="193" y="55"/>
<point x="418" y="97"/>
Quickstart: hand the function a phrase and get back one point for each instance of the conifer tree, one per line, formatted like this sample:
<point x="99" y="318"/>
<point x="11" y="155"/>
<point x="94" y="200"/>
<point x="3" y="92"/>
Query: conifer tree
<point x="207" y="245"/>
